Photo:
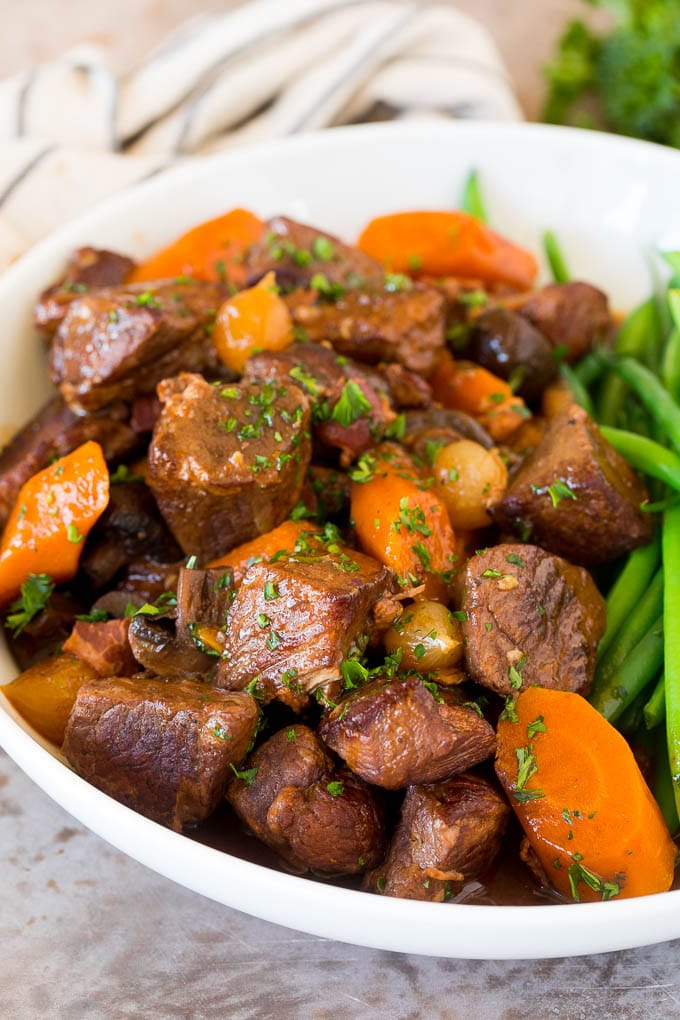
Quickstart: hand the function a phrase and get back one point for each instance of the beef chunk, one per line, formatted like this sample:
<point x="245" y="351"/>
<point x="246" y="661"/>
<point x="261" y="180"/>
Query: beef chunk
<point x="571" y="315"/>
<point x="296" y="253"/>
<point x="294" y="620"/>
<point x="397" y="732"/>
<point x="531" y="619"/>
<point x="130" y="527"/>
<point x="508" y="345"/>
<point x="53" y="432"/>
<point x="88" y="269"/>
<point x="164" y="749"/>
<point x="316" y="816"/>
<point x="120" y="341"/>
<point x="406" y="326"/>
<point x="408" y="389"/>
<point x="103" y="645"/>
<point x="448" y="833"/>
<point x="576" y="495"/>
<point x="227" y="464"/>
<point x="351" y="407"/>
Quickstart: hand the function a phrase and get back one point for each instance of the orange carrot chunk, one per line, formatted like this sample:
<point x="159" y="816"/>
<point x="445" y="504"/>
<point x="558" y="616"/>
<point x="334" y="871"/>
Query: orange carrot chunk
<point x="464" y="386"/>
<point x="264" y="547"/>
<point x="404" y="525"/>
<point x="51" y="519"/>
<point x="446" y="244"/>
<point x="211" y="251"/>
<point x="581" y="799"/>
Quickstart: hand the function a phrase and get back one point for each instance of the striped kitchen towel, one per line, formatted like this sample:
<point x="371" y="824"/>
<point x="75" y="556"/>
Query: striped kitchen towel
<point x="71" y="132"/>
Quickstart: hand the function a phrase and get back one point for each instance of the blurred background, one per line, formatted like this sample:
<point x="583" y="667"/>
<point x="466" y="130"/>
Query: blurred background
<point x="526" y="31"/>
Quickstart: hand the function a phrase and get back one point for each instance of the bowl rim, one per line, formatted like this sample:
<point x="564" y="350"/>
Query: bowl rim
<point x="197" y="866"/>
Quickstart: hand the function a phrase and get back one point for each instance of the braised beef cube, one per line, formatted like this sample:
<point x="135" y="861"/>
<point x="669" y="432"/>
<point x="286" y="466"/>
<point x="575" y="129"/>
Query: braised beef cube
<point x="130" y="527"/>
<point x="164" y="749"/>
<point x="227" y="463"/>
<point x="297" y="253"/>
<point x="203" y="601"/>
<point x="575" y="495"/>
<point x="53" y="432"/>
<point x="121" y="341"/>
<point x="351" y="407"/>
<point x="448" y="833"/>
<point x="88" y="269"/>
<point x="294" y="620"/>
<point x="103" y="645"/>
<point x="407" y="389"/>
<point x="316" y="816"/>
<point x="531" y="619"/>
<point x="398" y="732"/>
<point x="508" y="345"/>
<point x="405" y="326"/>
<point x="573" y="316"/>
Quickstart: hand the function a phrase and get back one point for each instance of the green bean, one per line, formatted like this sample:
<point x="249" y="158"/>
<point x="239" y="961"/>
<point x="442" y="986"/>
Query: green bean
<point x="627" y="590"/>
<point x="655" y="709"/>
<point x="630" y="340"/>
<point x="580" y="393"/>
<point x="630" y="721"/>
<point x="645" y="455"/>
<point x="553" y="253"/>
<point x="589" y="369"/>
<point x="662" y="787"/>
<point x="472" y="201"/>
<point x="648" y="607"/>
<point x="633" y="675"/>
<point x="653" y="395"/>
<point x="670" y="543"/>
<point x="670" y="365"/>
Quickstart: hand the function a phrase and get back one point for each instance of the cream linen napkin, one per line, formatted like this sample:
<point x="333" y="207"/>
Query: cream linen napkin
<point x="71" y="132"/>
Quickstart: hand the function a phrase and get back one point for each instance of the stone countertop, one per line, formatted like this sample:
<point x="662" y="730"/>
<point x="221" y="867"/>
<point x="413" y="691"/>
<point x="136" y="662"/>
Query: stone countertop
<point x="88" y="934"/>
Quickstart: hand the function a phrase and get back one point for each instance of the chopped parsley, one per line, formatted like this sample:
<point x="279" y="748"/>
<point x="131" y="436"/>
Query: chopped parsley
<point x="578" y="873"/>
<point x="515" y="559"/>
<point x="557" y="490"/>
<point x="247" y="775"/>
<point x="336" y="788"/>
<point x="123" y="474"/>
<point x="147" y="300"/>
<point x="323" y="249"/>
<point x="221" y="733"/>
<point x="270" y="591"/>
<point x="34" y="597"/>
<point x="73" y="534"/>
<point x="537" y="726"/>
<point x="351" y="405"/>
<point x="96" y="616"/>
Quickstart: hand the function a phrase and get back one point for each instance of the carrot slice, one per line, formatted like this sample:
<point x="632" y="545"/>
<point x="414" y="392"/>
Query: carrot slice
<point x="264" y="547"/>
<point x="581" y="799"/>
<point x="210" y="251"/>
<point x="464" y="386"/>
<point x="446" y="244"/>
<point x="53" y="515"/>
<point x="404" y="525"/>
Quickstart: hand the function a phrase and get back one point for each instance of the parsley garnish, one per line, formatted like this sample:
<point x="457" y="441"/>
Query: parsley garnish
<point x="123" y="474"/>
<point x="147" y="299"/>
<point x="96" y="616"/>
<point x="336" y="788"/>
<point x="73" y="534"/>
<point x="35" y="594"/>
<point x="490" y="572"/>
<point x="351" y="405"/>
<point x="247" y="775"/>
<point x="537" y="726"/>
<point x="323" y="249"/>
<point x="577" y="873"/>
<point x="270" y="591"/>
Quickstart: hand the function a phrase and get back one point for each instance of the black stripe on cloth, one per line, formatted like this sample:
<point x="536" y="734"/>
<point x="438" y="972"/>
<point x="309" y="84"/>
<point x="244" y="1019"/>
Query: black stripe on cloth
<point x="26" y="172"/>
<point x="319" y="101"/>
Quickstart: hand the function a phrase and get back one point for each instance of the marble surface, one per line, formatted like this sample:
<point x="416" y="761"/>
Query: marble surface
<point x="86" y="933"/>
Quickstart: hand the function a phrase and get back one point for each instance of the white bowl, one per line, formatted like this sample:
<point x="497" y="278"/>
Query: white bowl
<point x="609" y="200"/>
